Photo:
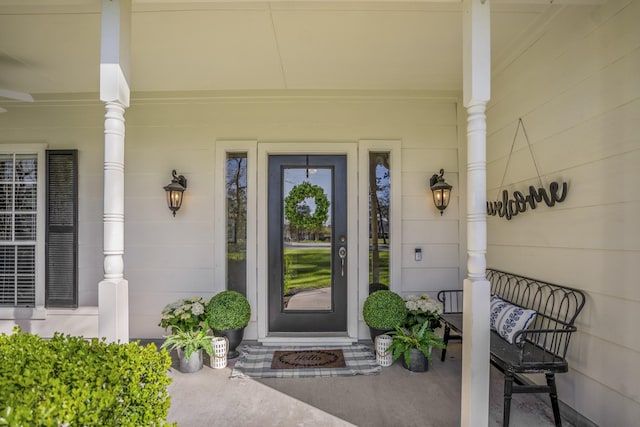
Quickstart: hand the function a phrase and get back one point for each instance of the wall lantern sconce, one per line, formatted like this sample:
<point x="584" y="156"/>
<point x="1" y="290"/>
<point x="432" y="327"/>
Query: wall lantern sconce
<point x="441" y="191"/>
<point x="174" y="191"/>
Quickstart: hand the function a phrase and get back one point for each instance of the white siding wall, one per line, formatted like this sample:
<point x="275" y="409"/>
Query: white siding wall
<point x="168" y="258"/>
<point x="577" y="88"/>
<point x="423" y="226"/>
<point x="69" y="125"/>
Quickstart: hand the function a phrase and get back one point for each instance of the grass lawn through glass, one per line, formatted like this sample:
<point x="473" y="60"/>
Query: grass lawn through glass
<point x="310" y="268"/>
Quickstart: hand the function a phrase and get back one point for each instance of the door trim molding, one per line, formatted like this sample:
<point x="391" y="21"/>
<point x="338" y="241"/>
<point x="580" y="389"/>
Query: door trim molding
<point x="350" y="149"/>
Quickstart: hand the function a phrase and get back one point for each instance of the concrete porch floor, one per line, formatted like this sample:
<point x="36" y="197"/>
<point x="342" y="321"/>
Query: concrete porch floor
<point x="394" y="398"/>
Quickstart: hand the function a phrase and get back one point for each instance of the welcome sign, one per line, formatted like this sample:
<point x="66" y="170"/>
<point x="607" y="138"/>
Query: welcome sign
<point x="518" y="203"/>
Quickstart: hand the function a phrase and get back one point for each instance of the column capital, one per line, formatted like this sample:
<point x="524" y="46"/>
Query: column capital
<point x="113" y="85"/>
<point x="476" y="51"/>
<point x="115" y="51"/>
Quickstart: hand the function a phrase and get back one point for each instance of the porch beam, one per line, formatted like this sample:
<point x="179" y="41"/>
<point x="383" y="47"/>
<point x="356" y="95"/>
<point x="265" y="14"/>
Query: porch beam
<point x="77" y="6"/>
<point x="169" y="4"/>
<point x="113" y="291"/>
<point x="476" y="39"/>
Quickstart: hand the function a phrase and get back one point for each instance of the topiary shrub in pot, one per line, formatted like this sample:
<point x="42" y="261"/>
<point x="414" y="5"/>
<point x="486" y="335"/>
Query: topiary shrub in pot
<point x="382" y="311"/>
<point x="227" y="314"/>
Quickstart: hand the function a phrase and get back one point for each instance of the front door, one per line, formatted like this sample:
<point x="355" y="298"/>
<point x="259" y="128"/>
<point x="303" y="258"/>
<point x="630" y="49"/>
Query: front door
<point x="307" y="232"/>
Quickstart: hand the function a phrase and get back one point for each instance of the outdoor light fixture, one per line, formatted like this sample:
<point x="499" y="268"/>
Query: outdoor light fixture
<point x="174" y="191"/>
<point x="441" y="191"/>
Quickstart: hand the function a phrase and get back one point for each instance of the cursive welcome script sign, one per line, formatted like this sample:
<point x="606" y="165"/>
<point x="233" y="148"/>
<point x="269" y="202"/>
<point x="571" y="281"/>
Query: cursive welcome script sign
<point x="511" y="207"/>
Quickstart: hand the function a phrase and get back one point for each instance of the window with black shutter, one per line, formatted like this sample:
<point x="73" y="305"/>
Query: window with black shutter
<point x="61" y="239"/>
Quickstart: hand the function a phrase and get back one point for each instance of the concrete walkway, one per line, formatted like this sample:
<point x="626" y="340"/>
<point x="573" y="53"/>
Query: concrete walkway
<point x="395" y="398"/>
<point x="210" y="398"/>
<point x="314" y="299"/>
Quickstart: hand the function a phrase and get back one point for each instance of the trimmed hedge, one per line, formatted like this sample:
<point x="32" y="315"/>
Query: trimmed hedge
<point x="69" y="381"/>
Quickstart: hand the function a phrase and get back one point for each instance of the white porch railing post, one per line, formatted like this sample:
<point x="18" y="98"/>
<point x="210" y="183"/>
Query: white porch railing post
<point x="113" y="291"/>
<point x="477" y="89"/>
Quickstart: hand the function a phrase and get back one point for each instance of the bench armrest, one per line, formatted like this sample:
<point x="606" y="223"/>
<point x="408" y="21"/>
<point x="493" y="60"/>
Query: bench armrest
<point x="451" y="300"/>
<point x="543" y="337"/>
<point x="535" y="350"/>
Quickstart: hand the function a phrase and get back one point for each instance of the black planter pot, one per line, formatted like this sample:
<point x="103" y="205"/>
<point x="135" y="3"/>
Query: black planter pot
<point x="419" y="362"/>
<point x="375" y="332"/>
<point x="235" y="338"/>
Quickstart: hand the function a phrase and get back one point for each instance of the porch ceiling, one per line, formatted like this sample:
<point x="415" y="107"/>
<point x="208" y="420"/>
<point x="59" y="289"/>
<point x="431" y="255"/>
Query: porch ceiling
<point x="53" y="46"/>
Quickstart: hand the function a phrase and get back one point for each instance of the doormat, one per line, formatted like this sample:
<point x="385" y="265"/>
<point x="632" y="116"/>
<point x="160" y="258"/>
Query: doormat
<point x="255" y="362"/>
<point x="306" y="359"/>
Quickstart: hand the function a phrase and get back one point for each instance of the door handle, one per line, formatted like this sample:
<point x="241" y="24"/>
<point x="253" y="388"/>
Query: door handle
<point x="342" y="253"/>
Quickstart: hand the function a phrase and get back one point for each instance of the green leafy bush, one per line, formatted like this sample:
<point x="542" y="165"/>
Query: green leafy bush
<point x="384" y="310"/>
<point x="189" y="341"/>
<point x="228" y="310"/>
<point x="418" y="336"/>
<point x="69" y="381"/>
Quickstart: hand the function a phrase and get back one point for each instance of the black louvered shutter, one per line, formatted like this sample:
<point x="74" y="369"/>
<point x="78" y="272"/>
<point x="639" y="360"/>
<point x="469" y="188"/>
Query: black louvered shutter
<point x="61" y="253"/>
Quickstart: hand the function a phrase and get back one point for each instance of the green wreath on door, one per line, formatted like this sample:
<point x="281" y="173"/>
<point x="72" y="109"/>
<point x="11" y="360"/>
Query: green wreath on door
<point x="299" y="193"/>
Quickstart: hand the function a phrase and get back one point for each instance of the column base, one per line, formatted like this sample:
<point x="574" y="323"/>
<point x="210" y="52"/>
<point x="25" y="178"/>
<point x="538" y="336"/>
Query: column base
<point x="113" y="310"/>
<point x="475" y="354"/>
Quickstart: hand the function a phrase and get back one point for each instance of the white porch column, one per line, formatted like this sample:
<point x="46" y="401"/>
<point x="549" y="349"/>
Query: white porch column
<point x="113" y="293"/>
<point x="477" y="88"/>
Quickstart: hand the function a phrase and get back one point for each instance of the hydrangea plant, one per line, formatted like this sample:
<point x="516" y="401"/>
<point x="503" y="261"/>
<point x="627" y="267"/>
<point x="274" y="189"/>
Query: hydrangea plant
<point x="422" y="309"/>
<point x="184" y="314"/>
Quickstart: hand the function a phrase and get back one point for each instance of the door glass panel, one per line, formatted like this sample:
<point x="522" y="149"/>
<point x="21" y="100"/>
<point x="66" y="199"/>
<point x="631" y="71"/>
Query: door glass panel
<point x="379" y="211"/>
<point x="306" y="236"/>
<point x="236" y="186"/>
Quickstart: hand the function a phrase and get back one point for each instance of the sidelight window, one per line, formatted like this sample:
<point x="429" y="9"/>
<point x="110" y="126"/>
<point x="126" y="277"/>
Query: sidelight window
<point x="236" y="201"/>
<point x="379" y="214"/>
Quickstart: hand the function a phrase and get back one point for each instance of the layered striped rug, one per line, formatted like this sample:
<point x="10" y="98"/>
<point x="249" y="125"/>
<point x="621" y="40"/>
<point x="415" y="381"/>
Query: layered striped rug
<point x="256" y="362"/>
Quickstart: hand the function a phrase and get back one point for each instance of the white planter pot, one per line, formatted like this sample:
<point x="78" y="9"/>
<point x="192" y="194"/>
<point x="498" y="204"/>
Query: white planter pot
<point x="383" y="356"/>
<point x="220" y="351"/>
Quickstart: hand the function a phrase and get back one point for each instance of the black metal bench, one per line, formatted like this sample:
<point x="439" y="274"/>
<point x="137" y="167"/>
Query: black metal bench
<point x="539" y="349"/>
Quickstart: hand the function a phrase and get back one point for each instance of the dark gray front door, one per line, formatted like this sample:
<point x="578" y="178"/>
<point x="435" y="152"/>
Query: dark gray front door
<point x="307" y="216"/>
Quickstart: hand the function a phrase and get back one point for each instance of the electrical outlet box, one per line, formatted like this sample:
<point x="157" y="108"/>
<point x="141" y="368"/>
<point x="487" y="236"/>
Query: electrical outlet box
<point x="418" y="254"/>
